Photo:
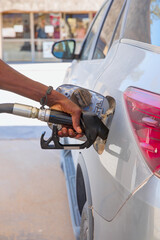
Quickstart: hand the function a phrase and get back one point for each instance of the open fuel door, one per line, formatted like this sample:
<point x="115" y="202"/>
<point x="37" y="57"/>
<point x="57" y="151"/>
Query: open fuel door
<point x="97" y="112"/>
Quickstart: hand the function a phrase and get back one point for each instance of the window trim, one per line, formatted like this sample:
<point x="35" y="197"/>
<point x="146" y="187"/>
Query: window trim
<point x="97" y="34"/>
<point x="115" y="28"/>
<point x="117" y="24"/>
<point x="128" y="2"/>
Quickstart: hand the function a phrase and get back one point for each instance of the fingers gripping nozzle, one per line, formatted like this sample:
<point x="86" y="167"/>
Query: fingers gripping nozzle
<point x="92" y="127"/>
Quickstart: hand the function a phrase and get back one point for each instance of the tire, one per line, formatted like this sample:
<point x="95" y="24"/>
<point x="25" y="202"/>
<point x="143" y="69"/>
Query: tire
<point x="84" y="230"/>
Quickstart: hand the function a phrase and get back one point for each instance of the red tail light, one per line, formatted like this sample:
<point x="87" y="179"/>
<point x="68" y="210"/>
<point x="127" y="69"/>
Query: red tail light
<point x="144" y="113"/>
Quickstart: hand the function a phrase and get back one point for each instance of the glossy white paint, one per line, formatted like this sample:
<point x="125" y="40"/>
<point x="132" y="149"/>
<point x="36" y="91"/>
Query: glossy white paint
<point x="120" y="176"/>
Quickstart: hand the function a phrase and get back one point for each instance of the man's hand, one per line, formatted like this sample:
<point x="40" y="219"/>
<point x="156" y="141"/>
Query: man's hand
<point x="68" y="106"/>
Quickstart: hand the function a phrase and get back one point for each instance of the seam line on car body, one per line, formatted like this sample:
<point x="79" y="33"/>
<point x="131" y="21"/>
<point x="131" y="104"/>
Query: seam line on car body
<point x="141" y="45"/>
<point x="130" y="195"/>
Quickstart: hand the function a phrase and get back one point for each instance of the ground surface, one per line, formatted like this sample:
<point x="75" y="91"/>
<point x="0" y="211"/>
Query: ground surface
<point x="33" y="198"/>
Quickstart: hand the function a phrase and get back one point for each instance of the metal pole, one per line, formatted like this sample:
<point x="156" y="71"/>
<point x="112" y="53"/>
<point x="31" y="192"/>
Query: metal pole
<point x="0" y="35"/>
<point x="32" y="36"/>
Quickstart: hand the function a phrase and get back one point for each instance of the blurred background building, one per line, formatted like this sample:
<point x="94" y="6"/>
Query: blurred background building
<point x="29" y="29"/>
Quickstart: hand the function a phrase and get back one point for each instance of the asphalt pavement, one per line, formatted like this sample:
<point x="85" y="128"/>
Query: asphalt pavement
<point x="33" y="198"/>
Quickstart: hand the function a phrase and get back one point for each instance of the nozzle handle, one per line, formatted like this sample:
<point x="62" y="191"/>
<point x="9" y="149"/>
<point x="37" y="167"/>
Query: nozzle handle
<point x="59" y="117"/>
<point x="91" y="125"/>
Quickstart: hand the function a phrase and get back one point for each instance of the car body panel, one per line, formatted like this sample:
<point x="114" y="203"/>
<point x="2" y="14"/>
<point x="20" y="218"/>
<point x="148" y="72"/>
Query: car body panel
<point x="121" y="166"/>
<point x="124" y="191"/>
<point x="88" y="69"/>
<point x="138" y="219"/>
<point x="86" y="73"/>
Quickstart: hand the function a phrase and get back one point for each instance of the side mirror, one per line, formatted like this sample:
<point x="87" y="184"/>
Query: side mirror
<point x="64" y="49"/>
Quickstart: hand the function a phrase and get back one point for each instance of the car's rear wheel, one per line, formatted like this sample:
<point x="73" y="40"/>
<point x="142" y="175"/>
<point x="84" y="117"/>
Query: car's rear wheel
<point x="84" y="231"/>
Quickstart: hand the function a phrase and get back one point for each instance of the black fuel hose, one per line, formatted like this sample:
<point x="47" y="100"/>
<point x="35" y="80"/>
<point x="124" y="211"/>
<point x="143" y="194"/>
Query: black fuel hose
<point x="6" y="108"/>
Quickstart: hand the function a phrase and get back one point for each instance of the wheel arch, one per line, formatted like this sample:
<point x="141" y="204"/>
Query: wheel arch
<point x="83" y="191"/>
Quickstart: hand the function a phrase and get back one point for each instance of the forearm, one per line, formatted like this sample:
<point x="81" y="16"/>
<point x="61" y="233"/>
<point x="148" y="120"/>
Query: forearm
<point x="13" y="81"/>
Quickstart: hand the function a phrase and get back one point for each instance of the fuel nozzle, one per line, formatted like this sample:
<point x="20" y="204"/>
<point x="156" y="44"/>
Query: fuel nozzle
<point x="90" y="123"/>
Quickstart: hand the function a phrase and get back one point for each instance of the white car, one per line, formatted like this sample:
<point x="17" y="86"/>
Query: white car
<point x="116" y="194"/>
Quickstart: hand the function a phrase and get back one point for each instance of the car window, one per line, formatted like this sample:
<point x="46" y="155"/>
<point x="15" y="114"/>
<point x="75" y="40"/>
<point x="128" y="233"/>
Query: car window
<point x="143" y="21"/>
<point x="92" y="33"/>
<point x="117" y="30"/>
<point x="107" y="30"/>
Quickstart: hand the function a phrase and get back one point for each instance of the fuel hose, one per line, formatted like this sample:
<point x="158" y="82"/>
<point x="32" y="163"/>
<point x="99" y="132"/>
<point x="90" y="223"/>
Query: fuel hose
<point x="45" y="115"/>
<point x="6" y="108"/>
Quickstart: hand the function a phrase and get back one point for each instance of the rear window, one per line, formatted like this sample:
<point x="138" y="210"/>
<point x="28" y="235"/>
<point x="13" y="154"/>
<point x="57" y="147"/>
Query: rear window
<point x="143" y="21"/>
